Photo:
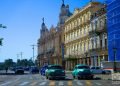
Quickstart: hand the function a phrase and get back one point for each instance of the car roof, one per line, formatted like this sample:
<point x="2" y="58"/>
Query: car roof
<point x="81" y="65"/>
<point x="53" y="65"/>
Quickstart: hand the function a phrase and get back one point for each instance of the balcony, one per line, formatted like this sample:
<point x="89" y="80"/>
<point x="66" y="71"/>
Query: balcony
<point x="98" y="49"/>
<point x="101" y="29"/>
<point x="98" y="31"/>
<point x="83" y="36"/>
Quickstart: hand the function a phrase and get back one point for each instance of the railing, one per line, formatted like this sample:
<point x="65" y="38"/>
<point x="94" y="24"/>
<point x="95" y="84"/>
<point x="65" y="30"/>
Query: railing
<point x="98" y="49"/>
<point x="78" y="37"/>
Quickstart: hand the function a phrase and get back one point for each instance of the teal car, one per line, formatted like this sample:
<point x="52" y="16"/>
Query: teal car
<point x="55" y="72"/>
<point x="82" y="72"/>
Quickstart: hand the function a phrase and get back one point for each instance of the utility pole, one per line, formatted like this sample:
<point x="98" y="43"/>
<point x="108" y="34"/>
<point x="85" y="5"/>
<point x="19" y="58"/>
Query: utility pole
<point x="1" y="26"/>
<point x="17" y="56"/>
<point x="33" y="47"/>
<point x="21" y="53"/>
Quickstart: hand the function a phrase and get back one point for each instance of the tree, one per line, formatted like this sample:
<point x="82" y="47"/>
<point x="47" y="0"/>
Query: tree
<point x="9" y="63"/>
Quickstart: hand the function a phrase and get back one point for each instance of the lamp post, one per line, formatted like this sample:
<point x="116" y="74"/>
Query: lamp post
<point x="86" y="58"/>
<point x="114" y="51"/>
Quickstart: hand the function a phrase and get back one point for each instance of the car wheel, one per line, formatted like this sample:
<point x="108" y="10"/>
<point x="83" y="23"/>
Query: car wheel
<point x="103" y="72"/>
<point x="49" y="78"/>
<point x="46" y="77"/>
<point x="73" y="77"/>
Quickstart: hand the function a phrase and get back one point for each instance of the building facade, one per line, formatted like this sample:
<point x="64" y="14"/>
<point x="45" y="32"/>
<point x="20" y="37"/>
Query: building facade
<point x="79" y="48"/>
<point x="113" y="22"/>
<point x="49" y="43"/>
<point x="98" y="36"/>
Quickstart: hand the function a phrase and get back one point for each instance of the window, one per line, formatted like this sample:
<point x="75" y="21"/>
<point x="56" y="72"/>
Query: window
<point x="83" y="67"/>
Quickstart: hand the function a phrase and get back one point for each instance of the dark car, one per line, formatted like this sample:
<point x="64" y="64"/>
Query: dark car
<point x="82" y="72"/>
<point x="43" y="69"/>
<point x="55" y="72"/>
<point x="26" y="68"/>
<point x="34" y="70"/>
<point x="19" y="70"/>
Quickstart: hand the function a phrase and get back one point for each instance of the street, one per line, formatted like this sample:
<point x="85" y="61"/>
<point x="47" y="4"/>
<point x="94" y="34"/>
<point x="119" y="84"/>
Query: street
<point x="38" y="80"/>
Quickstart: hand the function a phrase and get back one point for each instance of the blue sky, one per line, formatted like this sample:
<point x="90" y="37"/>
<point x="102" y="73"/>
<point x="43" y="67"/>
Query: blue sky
<point x="23" y="19"/>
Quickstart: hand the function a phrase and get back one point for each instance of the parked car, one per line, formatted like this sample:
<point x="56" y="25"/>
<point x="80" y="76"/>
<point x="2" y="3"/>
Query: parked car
<point x="82" y="71"/>
<point x="19" y="70"/>
<point x="55" y="72"/>
<point x="99" y="70"/>
<point x="34" y="70"/>
<point x="43" y="69"/>
<point x="26" y="68"/>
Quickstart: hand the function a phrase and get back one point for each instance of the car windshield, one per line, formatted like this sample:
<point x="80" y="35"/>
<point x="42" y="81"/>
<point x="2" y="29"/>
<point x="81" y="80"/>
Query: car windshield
<point x="92" y="67"/>
<point x="83" y="67"/>
<point x="55" y="67"/>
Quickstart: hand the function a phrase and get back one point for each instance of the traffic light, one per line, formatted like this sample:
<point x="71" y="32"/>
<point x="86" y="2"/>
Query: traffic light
<point x="1" y="41"/>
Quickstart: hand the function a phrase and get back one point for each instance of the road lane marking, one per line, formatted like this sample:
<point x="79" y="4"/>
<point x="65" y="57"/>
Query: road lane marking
<point x="33" y="84"/>
<point x="79" y="83"/>
<point x="4" y="84"/>
<point x="88" y="83"/>
<point x="24" y="83"/>
<point x="98" y="83"/>
<point x="69" y="83"/>
<point x="61" y="83"/>
<point x="42" y="84"/>
<point x="52" y="83"/>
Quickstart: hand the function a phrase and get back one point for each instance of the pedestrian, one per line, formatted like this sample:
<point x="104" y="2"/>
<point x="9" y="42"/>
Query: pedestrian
<point x="6" y="69"/>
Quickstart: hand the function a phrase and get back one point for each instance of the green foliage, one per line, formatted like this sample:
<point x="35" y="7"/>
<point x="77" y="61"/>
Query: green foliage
<point x="25" y="62"/>
<point x="9" y="63"/>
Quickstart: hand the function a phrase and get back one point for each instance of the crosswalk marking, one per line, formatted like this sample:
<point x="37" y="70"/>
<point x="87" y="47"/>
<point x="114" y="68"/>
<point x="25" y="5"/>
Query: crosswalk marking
<point x="69" y="83"/>
<point x="24" y="83"/>
<point x="33" y="84"/>
<point x="6" y="83"/>
<point x="79" y="83"/>
<point x="42" y="84"/>
<point x="61" y="83"/>
<point x="52" y="83"/>
<point x="98" y="83"/>
<point x="88" y="83"/>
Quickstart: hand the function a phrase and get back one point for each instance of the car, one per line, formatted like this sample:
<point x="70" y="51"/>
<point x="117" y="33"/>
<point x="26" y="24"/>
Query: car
<point x="43" y="69"/>
<point x="55" y="72"/>
<point x="26" y="68"/>
<point x="34" y="70"/>
<point x="19" y="70"/>
<point x="82" y="71"/>
<point x="99" y="70"/>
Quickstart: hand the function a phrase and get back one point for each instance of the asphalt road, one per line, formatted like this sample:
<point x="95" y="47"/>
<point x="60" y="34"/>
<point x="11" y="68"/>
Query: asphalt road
<point x="38" y="80"/>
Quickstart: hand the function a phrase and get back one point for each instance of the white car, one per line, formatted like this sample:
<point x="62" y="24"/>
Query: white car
<point x="99" y="70"/>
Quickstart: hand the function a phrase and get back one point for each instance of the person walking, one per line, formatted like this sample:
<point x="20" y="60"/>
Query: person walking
<point x="6" y="69"/>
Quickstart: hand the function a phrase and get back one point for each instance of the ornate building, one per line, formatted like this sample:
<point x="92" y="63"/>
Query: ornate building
<point x="77" y="35"/>
<point x="98" y="46"/>
<point x="49" y="44"/>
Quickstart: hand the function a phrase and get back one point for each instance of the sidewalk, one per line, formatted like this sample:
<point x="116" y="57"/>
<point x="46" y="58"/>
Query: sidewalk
<point x="113" y="76"/>
<point x="9" y="72"/>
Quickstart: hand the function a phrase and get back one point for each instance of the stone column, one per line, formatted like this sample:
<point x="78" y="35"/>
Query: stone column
<point x="95" y="60"/>
<point x="91" y="61"/>
<point x="103" y="41"/>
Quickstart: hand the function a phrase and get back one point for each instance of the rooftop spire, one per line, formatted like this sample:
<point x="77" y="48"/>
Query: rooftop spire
<point x="63" y="1"/>
<point x="63" y="5"/>
<point x="43" y="19"/>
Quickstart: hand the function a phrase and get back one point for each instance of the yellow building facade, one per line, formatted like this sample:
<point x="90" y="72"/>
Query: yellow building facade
<point x="76" y="36"/>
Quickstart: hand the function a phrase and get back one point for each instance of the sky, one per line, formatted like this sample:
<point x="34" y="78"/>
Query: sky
<point x="23" y="19"/>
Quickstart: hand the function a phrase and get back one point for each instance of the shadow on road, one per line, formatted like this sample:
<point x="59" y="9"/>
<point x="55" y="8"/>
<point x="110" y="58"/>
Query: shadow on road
<point x="12" y="74"/>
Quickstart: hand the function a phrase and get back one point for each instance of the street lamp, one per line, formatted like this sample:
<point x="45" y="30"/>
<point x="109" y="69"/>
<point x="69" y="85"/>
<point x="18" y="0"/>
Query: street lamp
<point x="86" y="58"/>
<point x="114" y="50"/>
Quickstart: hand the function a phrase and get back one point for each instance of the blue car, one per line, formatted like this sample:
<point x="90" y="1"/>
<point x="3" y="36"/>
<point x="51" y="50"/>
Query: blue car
<point x="43" y="69"/>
